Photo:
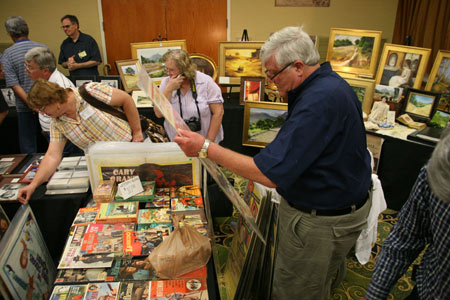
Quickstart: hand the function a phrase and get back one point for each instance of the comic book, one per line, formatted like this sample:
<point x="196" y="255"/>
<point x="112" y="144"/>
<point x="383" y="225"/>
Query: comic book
<point x="69" y="292"/>
<point x="178" y="289"/>
<point x="73" y="276"/>
<point x="162" y="198"/>
<point x="105" y="238"/>
<point x="102" y="290"/>
<point x="155" y="215"/>
<point x="194" y="218"/>
<point x="85" y="215"/>
<point x="158" y="203"/>
<point x="147" y="195"/>
<point x="118" y="212"/>
<point x="133" y="290"/>
<point x="162" y="227"/>
<point x="140" y="243"/>
<point x="72" y="258"/>
<point x="137" y="268"/>
<point x="187" y="197"/>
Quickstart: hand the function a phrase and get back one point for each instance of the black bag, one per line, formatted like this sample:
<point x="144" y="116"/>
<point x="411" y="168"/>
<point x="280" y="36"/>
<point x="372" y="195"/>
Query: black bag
<point x="154" y="131"/>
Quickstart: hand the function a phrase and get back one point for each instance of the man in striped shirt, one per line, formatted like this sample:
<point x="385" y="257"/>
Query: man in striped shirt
<point x="41" y="63"/>
<point x="14" y="67"/>
<point x="423" y="223"/>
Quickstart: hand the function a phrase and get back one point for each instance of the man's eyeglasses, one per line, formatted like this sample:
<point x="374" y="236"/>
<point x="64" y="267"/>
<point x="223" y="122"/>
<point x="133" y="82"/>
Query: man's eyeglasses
<point x="278" y="73"/>
<point x="27" y="67"/>
<point x="65" y="26"/>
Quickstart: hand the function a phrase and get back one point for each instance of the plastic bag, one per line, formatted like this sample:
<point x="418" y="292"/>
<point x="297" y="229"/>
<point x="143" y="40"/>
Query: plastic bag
<point x="183" y="251"/>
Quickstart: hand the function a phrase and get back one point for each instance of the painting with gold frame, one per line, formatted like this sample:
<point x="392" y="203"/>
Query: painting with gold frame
<point x="354" y="51"/>
<point x="262" y="121"/>
<point x="204" y="64"/>
<point x="129" y="73"/>
<point x="439" y="79"/>
<point x="402" y="66"/>
<point x="237" y="59"/>
<point x="149" y="55"/>
<point x="364" y="89"/>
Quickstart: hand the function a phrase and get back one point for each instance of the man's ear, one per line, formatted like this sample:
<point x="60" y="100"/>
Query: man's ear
<point x="298" y="66"/>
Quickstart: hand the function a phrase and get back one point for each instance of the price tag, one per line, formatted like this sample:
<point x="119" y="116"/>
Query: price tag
<point x="130" y="187"/>
<point x="224" y="80"/>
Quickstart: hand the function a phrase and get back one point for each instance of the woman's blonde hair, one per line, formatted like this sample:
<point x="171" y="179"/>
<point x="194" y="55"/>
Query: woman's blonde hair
<point x="182" y="61"/>
<point x="44" y="92"/>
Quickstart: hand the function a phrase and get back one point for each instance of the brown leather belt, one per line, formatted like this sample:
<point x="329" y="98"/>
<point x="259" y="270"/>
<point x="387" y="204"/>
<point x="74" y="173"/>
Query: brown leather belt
<point x="331" y="212"/>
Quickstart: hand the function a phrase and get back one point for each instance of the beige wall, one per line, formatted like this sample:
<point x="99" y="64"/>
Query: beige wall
<point x="43" y="18"/>
<point x="259" y="17"/>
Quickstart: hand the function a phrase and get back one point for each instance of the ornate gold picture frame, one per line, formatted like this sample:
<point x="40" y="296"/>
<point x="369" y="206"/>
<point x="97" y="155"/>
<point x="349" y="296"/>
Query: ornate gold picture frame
<point x="439" y="79"/>
<point x="354" y="51"/>
<point x="205" y="64"/>
<point x="364" y="89"/>
<point x="129" y="73"/>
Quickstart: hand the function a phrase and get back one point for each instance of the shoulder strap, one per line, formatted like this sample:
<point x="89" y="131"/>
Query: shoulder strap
<point x="100" y="104"/>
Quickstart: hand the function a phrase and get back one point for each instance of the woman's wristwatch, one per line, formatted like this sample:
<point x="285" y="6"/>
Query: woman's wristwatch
<point x="204" y="151"/>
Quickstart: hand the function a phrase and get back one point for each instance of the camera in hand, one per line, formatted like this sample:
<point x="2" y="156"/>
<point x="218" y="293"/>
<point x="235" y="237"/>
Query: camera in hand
<point x="194" y="124"/>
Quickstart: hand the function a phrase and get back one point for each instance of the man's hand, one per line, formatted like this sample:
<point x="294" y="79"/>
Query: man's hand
<point x="24" y="194"/>
<point x="190" y="142"/>
<point x="137" y="137"/>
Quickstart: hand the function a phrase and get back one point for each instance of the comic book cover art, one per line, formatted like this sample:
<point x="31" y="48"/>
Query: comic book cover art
<point x="192" y="289"/>
<point x="66" y="292"/>
<point x="137" y="268"/>
<point x="194" y="218"/>
<point x="26" y="267"/>
<point x="85" y="215"/>
<point x="80" y="275"/>
<point x="158" y="203"/>
<point x="187" y="198"/>
<point x="156" y="215"/>
<point x="72" y="257"/>
<point x="170" y="175"/>
<point x="118" y="212"/>
<point x="105" y="238"/>
<point x="134" y="290"/>
<point x="102" y="291"/>
<point x="140" y="243"/>
<point x="4" y="222"/>
<point x="157" y="226"/>
<point x="146" y="195"/>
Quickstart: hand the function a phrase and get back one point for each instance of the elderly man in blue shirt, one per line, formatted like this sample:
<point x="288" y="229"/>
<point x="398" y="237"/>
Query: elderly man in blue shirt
<point x="318" y="163"/>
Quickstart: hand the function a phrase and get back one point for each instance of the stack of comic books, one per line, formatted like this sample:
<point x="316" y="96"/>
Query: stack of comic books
<point x="118" y="212"/>
<point x="148" y="194"/>
<point x="154" y="217"/>
<point x="162" y="198"/>
<point x="187" y="197"/>
<point x="9" y="188"/>
<point x="105" y="191"/>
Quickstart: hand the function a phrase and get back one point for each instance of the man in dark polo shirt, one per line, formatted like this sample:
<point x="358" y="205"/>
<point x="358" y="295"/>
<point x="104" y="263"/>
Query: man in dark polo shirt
<point x="318" y="162"/>
<point x="79" y="52"/>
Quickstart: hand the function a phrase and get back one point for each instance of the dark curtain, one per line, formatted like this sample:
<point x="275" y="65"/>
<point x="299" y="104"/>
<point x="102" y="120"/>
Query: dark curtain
<point x="423" y="23"/>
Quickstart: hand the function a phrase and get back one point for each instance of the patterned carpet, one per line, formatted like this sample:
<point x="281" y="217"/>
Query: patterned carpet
<point x="357" y="277"/>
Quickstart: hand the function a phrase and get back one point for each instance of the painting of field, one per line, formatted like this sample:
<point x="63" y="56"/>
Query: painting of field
<point x="130" y="75"/>
<point x="150" y="59"/>
<point x="242" y="62"/>
<point x="264" y="124"/>
<point x="440" y="119"/>
<point x="352" y="51"/>
<point x="419" y="104"/>
<point x="393" y="94"/>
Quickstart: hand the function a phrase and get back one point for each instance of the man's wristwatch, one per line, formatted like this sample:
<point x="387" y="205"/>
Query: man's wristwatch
<point x="204" y="151"/>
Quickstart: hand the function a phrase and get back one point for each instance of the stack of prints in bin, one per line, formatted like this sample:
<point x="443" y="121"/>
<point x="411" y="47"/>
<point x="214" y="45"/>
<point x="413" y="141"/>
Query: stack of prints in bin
<point x="102" y="291"/>
<point x="9" y="189"/>
<point x="68" y="182"/>
<point x="73" y="163"/>
<point x="162" y="198"/>
<point x="104" y="192"/>
<point x="69" y="292"/>
<point x="118" y="212"/>
<point x="105" y="238"/>
<point x="247" y="254"/>
<point x="145" y="196"/>
<point x="27" y="270"/>
<point x="178" y="289"/>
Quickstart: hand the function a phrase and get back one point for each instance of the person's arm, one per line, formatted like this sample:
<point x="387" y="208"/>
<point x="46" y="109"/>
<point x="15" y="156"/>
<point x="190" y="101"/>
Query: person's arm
<point x="47" y="167"/>
<point x="124" y="100"/>
<point x="20" y="92"/>
<point x="3" y="115"/>
<point x="216" y="120"/>
<point x="74" y="66"/>
<point x="192" y="142"/>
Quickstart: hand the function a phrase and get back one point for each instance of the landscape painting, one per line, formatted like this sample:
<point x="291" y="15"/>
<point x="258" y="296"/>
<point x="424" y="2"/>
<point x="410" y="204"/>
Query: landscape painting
<point x="440" y="119"/>
<point x="129" y="73"/>
<point x="353" y="51"/>
<point x="239" y="59"/>
<point x="439" y="80"/>
<point x="420" y="105"/>
<point x="262" y="121"/>
<point x="393" y="94"/>
<point x="363" y="89"/>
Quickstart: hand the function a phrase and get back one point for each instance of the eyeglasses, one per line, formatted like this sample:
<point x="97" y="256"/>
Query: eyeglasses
<point x="278" y="73"/>
<point x="29" y="68"/>
<point x="65" y="26"/>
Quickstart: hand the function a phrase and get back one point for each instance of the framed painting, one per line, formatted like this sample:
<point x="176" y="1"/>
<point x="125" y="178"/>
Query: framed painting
<point x="80" y="80"/>
<point x="354" y="51"/>
<point x="204" y="64"/>
<point x="393" y="94"/>
<point x="141" y="99"/>
<point x="149" y="55"/>
<point x="237" y="59"/>
<point x="111" y="80"/>
<point x="252" y="89"/>
<point x="262" y="121"/>
<point x="402" y="66"/>
<point x="439" y="79"/>
<point x="420" y="105"/>
<point x="129" y="73"/>
<point x="364" y="89"/>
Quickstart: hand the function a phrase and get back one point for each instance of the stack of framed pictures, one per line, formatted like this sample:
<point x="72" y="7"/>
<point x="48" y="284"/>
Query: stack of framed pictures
<point x="111" y="80"/>
<point x="439" y="79"/>
<point x="9" y="162"/>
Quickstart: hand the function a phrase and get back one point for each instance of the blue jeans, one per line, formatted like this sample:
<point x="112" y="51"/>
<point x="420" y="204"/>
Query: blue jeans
<point x="28" y="123"/>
